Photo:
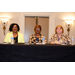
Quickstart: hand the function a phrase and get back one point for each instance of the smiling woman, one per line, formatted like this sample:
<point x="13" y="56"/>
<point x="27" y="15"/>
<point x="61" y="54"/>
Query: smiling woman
<point x="60" y="37"/>
<point x="37" y="37"/>
<point x="14" y="31"/>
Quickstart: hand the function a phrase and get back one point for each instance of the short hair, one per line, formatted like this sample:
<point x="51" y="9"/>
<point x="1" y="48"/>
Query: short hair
<point x="37" y="26"/>
<point x="60" y="27"/>
<point x="11" y="26"/>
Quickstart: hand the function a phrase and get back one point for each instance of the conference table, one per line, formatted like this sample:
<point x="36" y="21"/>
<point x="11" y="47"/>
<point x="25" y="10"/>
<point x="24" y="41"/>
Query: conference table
<point x="36" y="53"/>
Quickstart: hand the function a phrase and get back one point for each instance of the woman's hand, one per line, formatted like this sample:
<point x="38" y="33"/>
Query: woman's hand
<point x="57" y="42"/>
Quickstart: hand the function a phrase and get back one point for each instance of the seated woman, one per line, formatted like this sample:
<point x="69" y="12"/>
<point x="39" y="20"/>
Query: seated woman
<point x="59" y="37"/>
<point x="37" y="37"/>
<point x="14" y="31"/>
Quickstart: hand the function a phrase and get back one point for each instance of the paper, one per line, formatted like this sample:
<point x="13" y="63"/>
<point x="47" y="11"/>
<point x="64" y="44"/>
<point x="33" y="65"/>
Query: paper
<point x="4" y="43"/>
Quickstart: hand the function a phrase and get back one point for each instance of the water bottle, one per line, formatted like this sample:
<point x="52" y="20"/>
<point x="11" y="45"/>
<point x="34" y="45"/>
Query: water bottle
<point x="43" y="40"/>
<point x="12" y="40"/>
<point x="72" y="40"/>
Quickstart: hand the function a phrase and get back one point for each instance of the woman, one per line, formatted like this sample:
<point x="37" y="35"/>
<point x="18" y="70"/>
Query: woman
<point x="60" y="37"/>
<point x="37" y="37"/>
<point x="14" y="31"/>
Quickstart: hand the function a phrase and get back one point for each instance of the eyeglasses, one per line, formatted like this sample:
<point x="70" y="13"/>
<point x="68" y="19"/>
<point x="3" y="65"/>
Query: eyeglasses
<point x="14" y="27"/>
<point x="37" y="28"/>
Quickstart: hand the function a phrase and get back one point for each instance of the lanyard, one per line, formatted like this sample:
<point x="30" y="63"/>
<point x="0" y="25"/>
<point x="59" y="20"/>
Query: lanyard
<point x="37" y="39"/>
<point x="58" y="38"/>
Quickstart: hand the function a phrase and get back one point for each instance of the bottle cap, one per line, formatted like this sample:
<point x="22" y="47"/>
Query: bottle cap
<point x="12" y="37"/>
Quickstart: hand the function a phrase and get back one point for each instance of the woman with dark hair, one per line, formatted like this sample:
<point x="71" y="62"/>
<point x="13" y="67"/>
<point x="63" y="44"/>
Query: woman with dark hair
<point x="14" y="31"/>
<point x="37" y="37"/>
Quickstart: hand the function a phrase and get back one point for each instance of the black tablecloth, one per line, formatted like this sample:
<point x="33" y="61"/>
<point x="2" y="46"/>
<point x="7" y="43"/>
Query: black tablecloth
<point x="36" y="53"/>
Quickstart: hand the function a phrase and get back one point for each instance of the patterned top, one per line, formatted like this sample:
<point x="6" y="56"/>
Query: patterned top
<point x="65" y="39"/>
<point x="34" y="39"/>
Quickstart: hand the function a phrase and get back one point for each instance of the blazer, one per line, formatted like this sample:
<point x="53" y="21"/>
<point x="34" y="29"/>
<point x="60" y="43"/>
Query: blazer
<point x="33" y="39"/>
<point x="64" y="38"/>
<point x="9" y="35"/>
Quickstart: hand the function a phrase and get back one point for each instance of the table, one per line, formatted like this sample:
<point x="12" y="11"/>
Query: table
<point x="37" y="53"/>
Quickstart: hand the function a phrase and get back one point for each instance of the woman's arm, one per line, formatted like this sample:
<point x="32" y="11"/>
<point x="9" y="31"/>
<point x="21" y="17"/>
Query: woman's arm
<point x="53" y="41"/>
<point x="56" y="42"/>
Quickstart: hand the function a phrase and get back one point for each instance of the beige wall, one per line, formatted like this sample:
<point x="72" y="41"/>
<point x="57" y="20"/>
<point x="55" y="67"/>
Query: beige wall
<point x="59" y="20"/>
<point x="51" y="16"/>
<point x="14" y="17"/>
<point x="55" y="18"/>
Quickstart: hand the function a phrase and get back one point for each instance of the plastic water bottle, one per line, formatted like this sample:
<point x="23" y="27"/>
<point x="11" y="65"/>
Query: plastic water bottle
<point x="72" y="40"/>
<point x="43" y="40"/>
<point x="12" y="40"/>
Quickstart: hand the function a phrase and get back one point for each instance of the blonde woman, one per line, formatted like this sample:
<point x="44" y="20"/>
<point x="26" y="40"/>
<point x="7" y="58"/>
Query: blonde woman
<point x="59" y="37"/>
